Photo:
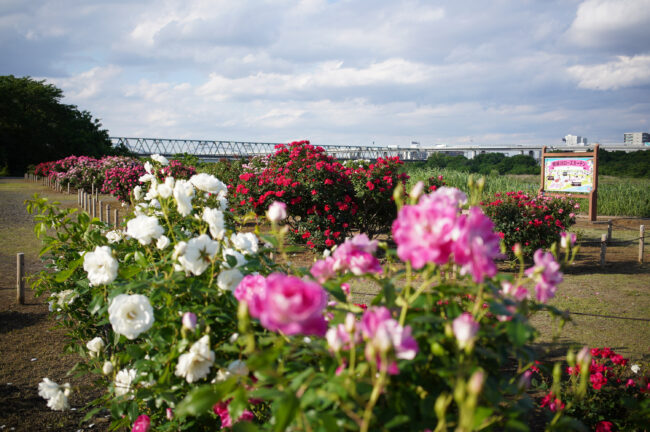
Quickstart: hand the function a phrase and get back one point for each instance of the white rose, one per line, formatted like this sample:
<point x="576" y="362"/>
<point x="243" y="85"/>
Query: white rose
<point x="238" y="367"/>
<point x="100" y="266"/>
<point x="215" y="221"/>
<point x="196" y="364"/>
<point x="152" y="192"/>
<point x="123" y="381"/>
<point x="148" y="167"/>
<point x="199" y="254"/>
<point x="114" y="236"/>
<point x="130" y="315"/>
<point x="183" y="193"/>
<point x="162" y="160"/>
<point x="107" y="368"/>
<point x="95" y="346"/>
<point x="241" y="260"/>
<point x="223" y="202"/>
<point x="56" y="395"/>
<point x="66" y="297"/>
<point x="144" y="228"/>
<point x="162" y="242"/>
<point x="147" y="178"/>
<point x="277" y="211"/>
<point x="245" y="242"/>
<point x="137" y="192"/>
<point x="166" y="189"/>
<point x="635" y="368"/>
<point x="208" y="183"/>
<point x="229" y="279"/>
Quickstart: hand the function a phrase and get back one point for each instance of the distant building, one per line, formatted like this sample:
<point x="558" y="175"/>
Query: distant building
<point x="636" y="138"/>
<point x="573" y="140"/>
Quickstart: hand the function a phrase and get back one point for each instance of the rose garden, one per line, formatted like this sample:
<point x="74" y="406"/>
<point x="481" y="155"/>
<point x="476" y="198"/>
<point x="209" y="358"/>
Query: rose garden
<point x="191" y="315"/>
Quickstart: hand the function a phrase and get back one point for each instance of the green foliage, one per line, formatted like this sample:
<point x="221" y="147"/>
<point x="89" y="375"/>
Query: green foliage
<point x="484" y="163"/>
<point x="623" y="164"/>
<point x="35" y="126"/>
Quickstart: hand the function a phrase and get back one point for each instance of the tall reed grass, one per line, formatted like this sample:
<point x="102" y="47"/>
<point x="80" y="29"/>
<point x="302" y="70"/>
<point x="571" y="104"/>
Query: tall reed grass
<point x="616" y="196"/>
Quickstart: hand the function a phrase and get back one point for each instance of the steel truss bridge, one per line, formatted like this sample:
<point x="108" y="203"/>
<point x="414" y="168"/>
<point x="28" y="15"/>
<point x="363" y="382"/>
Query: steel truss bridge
<point x="213" y="150"/>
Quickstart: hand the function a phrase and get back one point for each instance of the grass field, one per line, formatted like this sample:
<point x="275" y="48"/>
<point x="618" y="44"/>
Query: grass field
<point x="616" y="196"/>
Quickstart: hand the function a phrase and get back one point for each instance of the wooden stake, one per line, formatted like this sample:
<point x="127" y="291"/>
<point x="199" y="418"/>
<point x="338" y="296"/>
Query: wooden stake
<point x="609" y="230"/>
<point x="20" y="278"/>
<point x="603" y="248"/>
<point x="641" y="242"/>
<point x="108" y="213"/>
<point x="115" y="217"/>
<point x="100" y="212"/>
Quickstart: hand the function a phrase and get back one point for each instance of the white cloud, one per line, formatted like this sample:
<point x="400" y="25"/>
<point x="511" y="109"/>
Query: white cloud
<point x="88" y="84"/>
<point x="612" y="23"/>
<point x="624" y="72"/>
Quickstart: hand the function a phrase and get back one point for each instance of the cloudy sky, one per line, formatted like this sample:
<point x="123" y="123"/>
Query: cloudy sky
<point x="342" y="72"/>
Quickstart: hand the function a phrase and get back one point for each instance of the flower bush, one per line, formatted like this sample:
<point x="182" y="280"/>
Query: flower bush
<point x="122" y="178"/>
<point x="599" y="387"/>
<point x="199" y="329"/>
<point x="532" y="222"/>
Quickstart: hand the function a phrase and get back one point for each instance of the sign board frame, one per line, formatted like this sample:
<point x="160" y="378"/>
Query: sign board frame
<point x="575" y="162"/>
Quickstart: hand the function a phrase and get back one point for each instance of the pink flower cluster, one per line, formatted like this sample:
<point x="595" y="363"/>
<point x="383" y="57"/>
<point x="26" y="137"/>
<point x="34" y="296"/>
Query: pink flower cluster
<point x="384" y="337"/>
<point x="547" y="275"/>
<point x="355" y="255"/>
<point x="221" y="409"/>
<point x="285" y="303"/>
<point x="435" y="229"/>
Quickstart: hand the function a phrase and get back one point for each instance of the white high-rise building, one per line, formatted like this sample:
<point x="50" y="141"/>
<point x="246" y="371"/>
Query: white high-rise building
<point x="573" y="140"/>
<point x="636" y="138"/>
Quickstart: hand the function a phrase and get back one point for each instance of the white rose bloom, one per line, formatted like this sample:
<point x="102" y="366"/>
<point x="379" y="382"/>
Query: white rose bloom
<point x="166" y="189"/>
<point x="179" y="249"/>
<point x="208" y="183"/>
<point x="215" y="221"/>
<point x="148" y="167"/>
<point x="229" y="279"/>
<point x="162" y="242"/>
<point x="241" y="260"/>
<point x="635" y="368"/>
<point x="183" y="193"/>
<point x="137" y="192"/>
<point x="162" y="160"/>
<point x="114" y="236"/>
<point x="123" y="381"/>
<point x="95" y="346"/>
<point x="56" y="395"/>
<point x="66" y="297"/>
<point x="155" y="204"/>
<point x="130" y="315"/>
<point x="107" y="368"/>
<point x="152" y="192"/>
<point x="100" y="266"/>
<point x="238" y="367"/>
<point x="199" y="254"/>
<point x="144" y="229"/>
<point x="245" y="242"/>
<point x="223" y="202"/>
<point x="147" y="178"/>
<point x="195" y="364"/>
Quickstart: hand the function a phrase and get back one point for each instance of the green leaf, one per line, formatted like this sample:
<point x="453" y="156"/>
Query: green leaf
<point x="244" y="426"/>
<point x="397" y="421"/>
<point x="129" y="272"/>
<point x="200" y="400"/>
<point x="271" y="239"/>
<point x="286" y="411"/>
<point x="337" y="292"/>
<point x="62" y="276"/>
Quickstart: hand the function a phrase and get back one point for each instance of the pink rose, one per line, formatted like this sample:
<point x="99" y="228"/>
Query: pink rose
<point x="465" y="329"/>
<point x="142" y="424"/>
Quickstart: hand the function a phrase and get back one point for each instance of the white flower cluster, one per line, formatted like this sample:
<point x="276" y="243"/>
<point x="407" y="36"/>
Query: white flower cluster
<point x="124" y="381"/>
<point x="62" y="298"/>
<point x="195" y="364"/>
<point x="56" y="395"/>
<point x="95" y="346"/>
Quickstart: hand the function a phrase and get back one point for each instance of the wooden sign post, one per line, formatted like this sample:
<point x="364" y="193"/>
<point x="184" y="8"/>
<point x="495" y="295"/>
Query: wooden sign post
<point x="570" y="173"/>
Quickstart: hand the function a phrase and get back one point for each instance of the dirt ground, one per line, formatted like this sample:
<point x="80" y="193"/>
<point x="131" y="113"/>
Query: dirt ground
<point x="612" y="304"/>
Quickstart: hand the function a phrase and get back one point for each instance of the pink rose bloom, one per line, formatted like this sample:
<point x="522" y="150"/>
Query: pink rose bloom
<point x="252" y="290"/>
<point x="356" y="255"/>
<point x="221" y="409"/>
<point x="384" y="334"/>
<point x="142" y="424"/>
<point x="465" y="329"/>
<point x="604" y="426"/>
<point x="477" y="246"/>
<point x="338" y="337"/>
<point x="518" y="292"/>
<point x="322" y="270"/>
<point x="291" y="305"/>
<point x="547" y="275"/>
<point x="424" y="232"/>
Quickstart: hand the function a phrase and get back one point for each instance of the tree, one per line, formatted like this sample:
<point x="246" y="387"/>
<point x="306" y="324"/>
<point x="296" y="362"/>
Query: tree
<point x="36" y="127"/>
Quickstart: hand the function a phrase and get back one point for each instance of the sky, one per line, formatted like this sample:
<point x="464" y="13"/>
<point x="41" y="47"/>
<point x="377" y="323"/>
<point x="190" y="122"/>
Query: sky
<point x="342" y="72"/>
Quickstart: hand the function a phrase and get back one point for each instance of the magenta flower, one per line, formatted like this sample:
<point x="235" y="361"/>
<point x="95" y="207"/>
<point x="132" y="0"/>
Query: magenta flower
<point x="322" y="270"/>
<point x="424" y="232"/>
<point x="142" y="424"/>
<point x="285" y="303"/>
<point x="465" y="329"/>
<point x="547" y="275"/>
<point x="277" y="211"/>
<point x="518" y="292"/>
<point x="356" y="255"/>
<point x="477" y="245"/>
<point x="383" y="334"/>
